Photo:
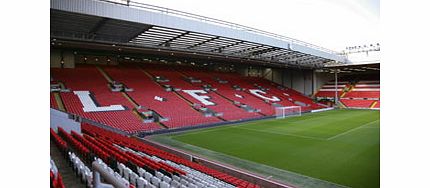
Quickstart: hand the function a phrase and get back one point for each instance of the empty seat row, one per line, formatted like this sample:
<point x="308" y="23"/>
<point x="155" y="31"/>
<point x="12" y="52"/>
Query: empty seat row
<point x="55" y="177"/>
<point x="357" y="103"/>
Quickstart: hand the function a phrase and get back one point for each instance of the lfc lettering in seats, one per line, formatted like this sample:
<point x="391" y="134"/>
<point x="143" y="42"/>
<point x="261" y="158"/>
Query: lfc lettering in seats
<point x="202" y="98"/>
<point x="91" y="106"/>
<point x="260" y="93"/>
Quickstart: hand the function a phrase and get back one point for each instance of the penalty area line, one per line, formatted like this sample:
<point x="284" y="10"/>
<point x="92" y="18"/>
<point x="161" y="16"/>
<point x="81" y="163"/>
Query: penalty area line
<point x="285" y="134"/>
<point x="351" y="130"/>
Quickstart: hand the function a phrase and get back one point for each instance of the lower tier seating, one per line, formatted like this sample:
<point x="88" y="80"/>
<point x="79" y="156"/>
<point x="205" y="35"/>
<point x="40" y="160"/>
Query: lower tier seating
<point x="156" y="166"/>
<point x="362" y="94"/>
<point x="145" y="89"/>
<point x="377" y="105"/>
<point x="91" y="96"/>
<point x="55" y="176"/>
<point x="53" y="103"/>
<point x="123" y="120"/>
<point x="357" y="103"/>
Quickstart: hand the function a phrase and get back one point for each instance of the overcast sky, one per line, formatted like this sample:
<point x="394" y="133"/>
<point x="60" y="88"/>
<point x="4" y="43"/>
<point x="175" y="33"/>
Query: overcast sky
<point x="333" y="24"/>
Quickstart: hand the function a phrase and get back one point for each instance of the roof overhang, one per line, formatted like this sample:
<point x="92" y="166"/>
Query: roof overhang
<point x="154" y="27"/>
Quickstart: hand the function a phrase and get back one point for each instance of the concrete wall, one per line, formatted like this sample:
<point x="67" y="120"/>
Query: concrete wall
<point x="320" y="79"/>
<point x="299" y="79"/>
<point x="277" y="76"/>
<point x="253" y="71"/>
<point x="66" y="56"/>
<point x="61" y="119"/>
<point x="308" y="82"/>
<point x="268" y="73"/>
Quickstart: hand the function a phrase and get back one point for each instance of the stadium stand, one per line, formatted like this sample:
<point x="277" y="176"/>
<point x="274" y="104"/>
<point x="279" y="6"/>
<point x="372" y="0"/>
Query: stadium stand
<point x="55" y="176"/>
<point x="359" y="103"/>
<point x="364" y="94"/>
<point x="377" y="104"/>
<point x="229" y="111"/>
<point x="53" y="103"/>
<point x="328" y="90"/>
<point x="288" y="96"/>
<point x="354" y="91"/>
<point x="136" y="163"/>
<point x="88" y="78"/>
<point x="145" y="88"/>
<point x="364" y="89"/>
<point x="123" y="71"/>
<point x="226" y="89"/>
<point x="230" y="100"/>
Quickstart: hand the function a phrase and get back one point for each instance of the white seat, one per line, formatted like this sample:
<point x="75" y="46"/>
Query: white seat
<point x="159" y="175"/>
<point x="155" y="181"/>
<point x="141" y="172"/>
<point x="81" y="169"/>
<point x="199" y="185"/>
<point x="141" y="183"/>
<point x="174" y="183"/>
<point x="148" y="176"/>
<point x="150" y="186"/>
<point x="133" y="178"/>
<point x="127" y="174"/>
<point x="184" y="182"/>
<point x="121" y="168"/>
<point x="126" y="183"/>
<point x="176" y="178"/>
<point x="164" y="185"/>
<point x="167" y="179"/>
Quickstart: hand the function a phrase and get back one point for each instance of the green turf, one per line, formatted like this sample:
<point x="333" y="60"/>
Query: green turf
<point x="339" y="146"/>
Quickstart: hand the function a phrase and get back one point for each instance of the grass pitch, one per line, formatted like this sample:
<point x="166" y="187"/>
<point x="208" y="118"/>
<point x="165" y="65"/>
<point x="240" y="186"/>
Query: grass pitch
<point x="338" y="146"/>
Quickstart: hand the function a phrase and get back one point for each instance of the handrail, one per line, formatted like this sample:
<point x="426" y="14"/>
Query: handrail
<point x="231" y="25"/>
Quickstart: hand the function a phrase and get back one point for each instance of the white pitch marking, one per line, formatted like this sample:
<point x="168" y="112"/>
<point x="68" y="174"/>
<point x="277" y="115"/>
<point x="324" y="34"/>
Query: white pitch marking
<point x="286" y="134"/>
<point x="350" y="130"/>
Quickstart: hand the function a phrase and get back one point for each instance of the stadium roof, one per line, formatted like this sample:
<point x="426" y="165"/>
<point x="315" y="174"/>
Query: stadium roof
<point x="131" y="24"/>
<point x="352" y="68"/>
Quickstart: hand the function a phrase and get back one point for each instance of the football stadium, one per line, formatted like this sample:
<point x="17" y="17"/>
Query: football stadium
<point x="145" y="96"/>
